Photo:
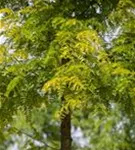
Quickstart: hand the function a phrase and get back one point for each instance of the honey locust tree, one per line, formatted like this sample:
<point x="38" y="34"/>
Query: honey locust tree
<point x="54" y="59"/>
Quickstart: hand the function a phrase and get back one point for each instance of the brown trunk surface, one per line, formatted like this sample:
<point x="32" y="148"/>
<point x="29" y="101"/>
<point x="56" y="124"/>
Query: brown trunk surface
<point x="65" y="128"/>
<point x="66" y="133"/>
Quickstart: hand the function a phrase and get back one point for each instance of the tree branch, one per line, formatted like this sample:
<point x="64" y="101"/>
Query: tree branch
<point x="41" y="141"/>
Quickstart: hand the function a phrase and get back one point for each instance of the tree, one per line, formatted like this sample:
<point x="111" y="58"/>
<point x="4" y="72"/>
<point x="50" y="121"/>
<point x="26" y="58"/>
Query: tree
<point x="54" y="54"/>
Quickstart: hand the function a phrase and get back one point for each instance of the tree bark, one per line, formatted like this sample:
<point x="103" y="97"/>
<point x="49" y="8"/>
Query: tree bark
<point x="66" y="133"/>
<point x="65" y="128"/>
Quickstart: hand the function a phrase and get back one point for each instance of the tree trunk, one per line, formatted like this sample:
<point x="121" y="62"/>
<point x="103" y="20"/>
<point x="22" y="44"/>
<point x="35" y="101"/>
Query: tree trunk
<point x="65" y="128"/>
<point x="66" y="133"/>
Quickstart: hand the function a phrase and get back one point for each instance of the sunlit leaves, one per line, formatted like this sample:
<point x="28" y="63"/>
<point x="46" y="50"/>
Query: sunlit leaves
<point x="2" y="54"/>
<point x="13" y="83"/>
<point x="6" y="10"/>
<point x="58" y="83"/>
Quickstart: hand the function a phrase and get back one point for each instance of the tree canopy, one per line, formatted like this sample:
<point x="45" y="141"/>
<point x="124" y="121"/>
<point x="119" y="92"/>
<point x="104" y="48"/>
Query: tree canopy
<point x="67" y="59"/>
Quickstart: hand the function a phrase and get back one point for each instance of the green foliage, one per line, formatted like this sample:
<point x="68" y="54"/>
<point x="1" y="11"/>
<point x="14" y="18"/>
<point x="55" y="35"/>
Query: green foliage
<point x="106" y="130"/>
<point x="55" y="51"/>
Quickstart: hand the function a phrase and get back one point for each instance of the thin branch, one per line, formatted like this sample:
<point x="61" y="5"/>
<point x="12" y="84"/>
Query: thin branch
<point x="41" y="141"/>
